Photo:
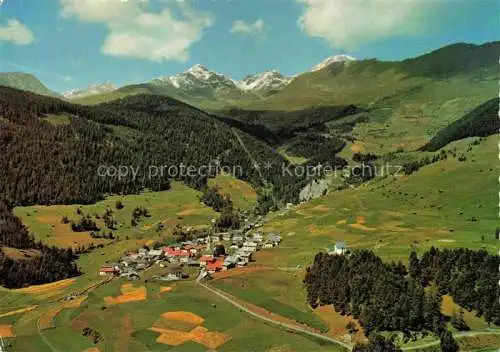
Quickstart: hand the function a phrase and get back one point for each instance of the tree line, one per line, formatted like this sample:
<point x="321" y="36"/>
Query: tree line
<point x="51" y="264"/>
<point x="390" y="297"/>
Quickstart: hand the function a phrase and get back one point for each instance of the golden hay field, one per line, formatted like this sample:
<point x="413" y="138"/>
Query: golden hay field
<point x="187" y="328"/>
<point x="6" y="331"/>
<point x="18" y="311"/>
<point x="129" y="294"/>
<point x="186" y="317"/>
<point x="42" y="292"/>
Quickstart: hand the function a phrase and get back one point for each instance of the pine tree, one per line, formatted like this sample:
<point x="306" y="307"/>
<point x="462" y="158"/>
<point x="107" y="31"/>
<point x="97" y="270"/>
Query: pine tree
<point x="414" y="265"/>
<point x="458" y="320"/>
<point x="448" y="343"/>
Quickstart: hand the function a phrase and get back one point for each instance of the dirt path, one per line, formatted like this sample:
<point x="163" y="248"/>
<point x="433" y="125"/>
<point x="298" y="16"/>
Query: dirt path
<point x="255" y="163"/>
<point x="273" y="319"/>
<point x="42" y="336"/>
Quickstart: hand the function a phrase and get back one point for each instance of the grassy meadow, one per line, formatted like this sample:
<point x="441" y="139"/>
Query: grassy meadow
<point x="130" y="326"/>
<point x="242" y="193"/>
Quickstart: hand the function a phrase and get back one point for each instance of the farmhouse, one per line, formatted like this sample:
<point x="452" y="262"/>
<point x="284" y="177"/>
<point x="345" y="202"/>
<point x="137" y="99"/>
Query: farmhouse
<point x="205" y="259"/>
<point x="108" y="271"/>
<point x="215" y="265"/>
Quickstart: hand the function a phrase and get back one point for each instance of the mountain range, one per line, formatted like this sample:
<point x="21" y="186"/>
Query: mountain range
<point x="196" y="83"/>
<point x="337" y="80"/>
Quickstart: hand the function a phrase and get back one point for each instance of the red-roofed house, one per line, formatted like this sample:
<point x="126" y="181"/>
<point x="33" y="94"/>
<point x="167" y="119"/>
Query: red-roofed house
<point x="107" y="270"/>
<point x="175" y="252"/>
<point x="215" y="265"/>
<point x="205" y="259"/>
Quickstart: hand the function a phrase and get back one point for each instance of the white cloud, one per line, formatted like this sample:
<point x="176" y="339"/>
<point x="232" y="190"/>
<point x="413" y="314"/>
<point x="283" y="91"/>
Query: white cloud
<point x="134" y="32"/>
<point x="16" y="32"/>
<point x="242" y="27"/>
<point x="348" y="23"/>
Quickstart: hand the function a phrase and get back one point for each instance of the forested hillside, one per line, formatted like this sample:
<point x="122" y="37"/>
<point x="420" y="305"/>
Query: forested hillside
<point x="139" y="131"/>
<point x="363" y="286"/>
<point x="53" y="152"/>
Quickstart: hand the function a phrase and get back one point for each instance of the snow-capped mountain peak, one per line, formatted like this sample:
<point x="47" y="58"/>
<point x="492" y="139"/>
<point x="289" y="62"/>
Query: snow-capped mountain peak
<point x="196" y="77"/>
<point x="200" y="71"/>
<point x="199" y="77"/>
<point x="331" y="60"/>
<point x="270" y="80"/>
<point x="93" y="89"/>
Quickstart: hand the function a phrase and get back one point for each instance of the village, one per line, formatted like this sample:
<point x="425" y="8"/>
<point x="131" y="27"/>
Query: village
<point x="210" y="254"/>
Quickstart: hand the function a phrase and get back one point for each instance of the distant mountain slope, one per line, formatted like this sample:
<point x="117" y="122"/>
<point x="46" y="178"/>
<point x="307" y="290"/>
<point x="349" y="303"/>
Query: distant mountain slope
<point x="24" y="81"/>
<point x="201" y="87"/>
<point x="367" y="82"/>
<point x="93" y="89"/>
<point x="455" y="59"/>
<point x="337" y="59"/>
<point x="481" y="122"/>
<point x="264" y="83"/>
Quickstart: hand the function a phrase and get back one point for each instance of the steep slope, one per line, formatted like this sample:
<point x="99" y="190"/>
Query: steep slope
<point x="24" y="81"/>
<point x="143" y="131"/>
<point x="445" y="204"/>
<point x="481" y="122"/>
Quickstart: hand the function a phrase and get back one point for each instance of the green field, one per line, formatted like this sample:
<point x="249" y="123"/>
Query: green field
<point x="277" y="291"/>
<point x="435" y="206"/>
<point x="125" y="327"/>
<point x="242" y="194"/>
<point x="179" y="205"/>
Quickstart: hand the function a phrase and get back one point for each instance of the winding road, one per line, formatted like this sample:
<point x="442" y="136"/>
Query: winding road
<point x="283" y="325"/>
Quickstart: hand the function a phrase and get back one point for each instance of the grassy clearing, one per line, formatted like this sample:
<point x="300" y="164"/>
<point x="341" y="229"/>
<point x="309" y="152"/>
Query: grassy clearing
<point x="242" y="194"/>
<point x="474" y="322"/>
<point x="177" y="205"/>
<point x="18" y="254"/>
<point x="276" y="291"/>
<point x="57" y="120"/>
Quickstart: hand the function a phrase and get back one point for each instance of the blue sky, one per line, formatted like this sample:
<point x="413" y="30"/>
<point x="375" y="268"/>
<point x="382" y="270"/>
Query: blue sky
<point x="74" y="43"/>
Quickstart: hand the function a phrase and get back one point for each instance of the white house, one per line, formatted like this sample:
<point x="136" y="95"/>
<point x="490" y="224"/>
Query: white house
<point x="155" y="253"/>
<point x="258" y="237"/>
<point x="339" y="249"/>
<point x="250" y="246"/>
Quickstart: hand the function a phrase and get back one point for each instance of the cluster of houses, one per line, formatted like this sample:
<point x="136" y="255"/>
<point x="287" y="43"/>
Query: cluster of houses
<point x="201" y="253"/>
